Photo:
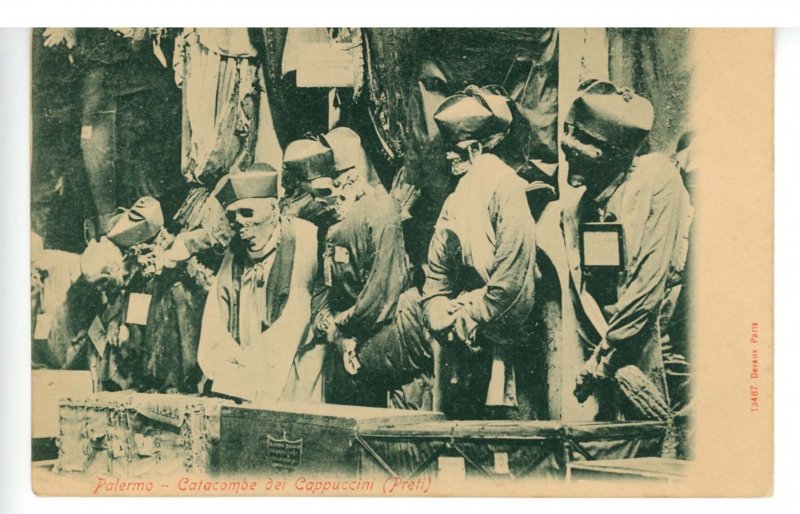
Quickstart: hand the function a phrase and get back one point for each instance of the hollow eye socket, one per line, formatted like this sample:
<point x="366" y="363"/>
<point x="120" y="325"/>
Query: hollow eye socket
<point x="243" y="212"/>
<point x="322" y="192"/>
<point x="585" y="138"/>
<point x="434" y="85"/>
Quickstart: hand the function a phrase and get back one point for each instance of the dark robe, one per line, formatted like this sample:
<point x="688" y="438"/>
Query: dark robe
<point x="367" y="273"/>
<point x="121" y="364"/>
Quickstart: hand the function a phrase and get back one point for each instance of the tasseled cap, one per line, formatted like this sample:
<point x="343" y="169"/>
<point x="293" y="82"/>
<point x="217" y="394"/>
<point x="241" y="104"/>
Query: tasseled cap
<point x="616" y="116"/>
<point x="139" y="224"/>
<point x="309" y="159"/>
<point x="258" y="181"/>
<point x="474" y="114"/>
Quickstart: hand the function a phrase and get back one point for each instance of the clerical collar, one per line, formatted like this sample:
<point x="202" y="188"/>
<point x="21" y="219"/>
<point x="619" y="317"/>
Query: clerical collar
<point x="272" y="245"/>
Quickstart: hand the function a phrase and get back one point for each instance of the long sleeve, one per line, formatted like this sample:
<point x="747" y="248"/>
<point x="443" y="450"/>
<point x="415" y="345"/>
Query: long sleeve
<point x="645" y="282"/>
<point x="509" y="291"/>
<point x="386" y="278"/>
<point x="444" y="257"/>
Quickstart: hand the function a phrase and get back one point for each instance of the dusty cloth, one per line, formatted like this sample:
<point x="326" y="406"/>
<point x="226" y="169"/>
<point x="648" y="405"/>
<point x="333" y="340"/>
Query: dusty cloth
<point x="256" y="342"/>
<point x="482" y="256"/>
<point x="121" y="364"/>
<point x="399" y="357"/>
<point x="130" y="122"/>
<point x="179" y="294"/>
<point x="652" y="205"/>
<point x="220" y="102"/>
<point x="53" y="275"/>
<point x="170" y="362"/>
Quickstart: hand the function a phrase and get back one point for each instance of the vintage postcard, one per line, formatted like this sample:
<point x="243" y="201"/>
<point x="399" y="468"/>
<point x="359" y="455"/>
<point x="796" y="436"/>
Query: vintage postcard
<point x="402" y="262"/>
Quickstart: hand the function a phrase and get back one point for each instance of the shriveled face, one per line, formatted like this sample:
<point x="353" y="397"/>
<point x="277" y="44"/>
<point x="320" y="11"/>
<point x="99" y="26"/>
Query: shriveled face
<point x="592" y="162"/>
<point x="461" y="156"/>
<point x="103" y="265"/>
<point x="254" y="220"/>
<point x="336" y="196"/>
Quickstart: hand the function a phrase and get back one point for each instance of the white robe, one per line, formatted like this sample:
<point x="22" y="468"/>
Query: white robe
<point x="279" y="363"/>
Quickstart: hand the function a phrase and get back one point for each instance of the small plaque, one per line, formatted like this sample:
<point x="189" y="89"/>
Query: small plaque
<point x="284" y="454"/>
<point x="602" y="245"/>
<point x="452" y="468"/>
<point x="501" y="463"/>
<point x="44" y="322"/>
<point x="138" y="305"/>
<point x="341" y="255"/>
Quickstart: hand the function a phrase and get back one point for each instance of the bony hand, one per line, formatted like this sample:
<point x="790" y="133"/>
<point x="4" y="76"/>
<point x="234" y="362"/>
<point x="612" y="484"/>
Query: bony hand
<point x="349" y="358"/>
<point x="151" y="259"/>
<point x="324" y="324"/>
<point x="124" y="335"/>
<point x="594" y="371"/>
<point x="113" y="333"/>
<point x="176" y="253"/>
<point x="464" y="328"/>
<point x="584" y="385"/>
<point x="79" y="337"/>
<point x="440" y="316"/>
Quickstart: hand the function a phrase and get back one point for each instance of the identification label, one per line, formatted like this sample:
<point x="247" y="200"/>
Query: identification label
<point x="44" y="322"/>
<point x="138" y="305"/>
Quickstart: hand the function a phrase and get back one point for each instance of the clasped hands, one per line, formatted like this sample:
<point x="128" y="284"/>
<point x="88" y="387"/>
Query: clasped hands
<point x="449" y="321"/>
<point x="595" y="370"/>
<point x="325" y="324"/>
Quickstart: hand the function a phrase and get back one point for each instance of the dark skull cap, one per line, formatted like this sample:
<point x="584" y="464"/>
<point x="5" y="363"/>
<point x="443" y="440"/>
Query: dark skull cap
<point x="474" y="114"/>
<point x="258" y="181"/>
<point x="309" y="159"/>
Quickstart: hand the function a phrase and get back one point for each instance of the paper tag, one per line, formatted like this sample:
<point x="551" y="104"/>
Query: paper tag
<point x="145" y="446"/>
<point x="341" y="255"/>
<point x="501" y="463"/>
<point x="138" y="305"/>
<point x="602" y="249"/>
<point x="329" y="64"/>
<point x="327" y="267"/>
<point x="86" y="132"/>
<point x="97" y="335"/>
<point x="43" y="324"/>
<point x="452" y="468"/>
<point x="601" y="245"/>
<point x="159" y="53"/>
